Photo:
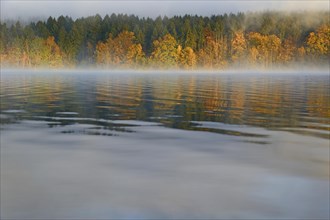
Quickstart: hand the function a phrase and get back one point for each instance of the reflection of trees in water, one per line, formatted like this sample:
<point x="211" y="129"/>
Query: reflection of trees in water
<point x="263" y="101"/>
<point x="145" y="109"/>
<point x="38" y="94"/>
<point x="318" y="100"/>
<point x="118" y="96"/>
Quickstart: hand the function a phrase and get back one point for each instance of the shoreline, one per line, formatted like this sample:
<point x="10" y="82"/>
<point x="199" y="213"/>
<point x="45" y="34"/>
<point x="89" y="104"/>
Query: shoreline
<point x="228" y="71"/>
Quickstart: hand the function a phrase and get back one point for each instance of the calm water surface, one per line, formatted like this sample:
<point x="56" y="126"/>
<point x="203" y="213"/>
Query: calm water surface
<point x="132" y="145"/>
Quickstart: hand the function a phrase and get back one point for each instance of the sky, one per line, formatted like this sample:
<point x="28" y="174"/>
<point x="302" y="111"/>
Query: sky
<point x="39" y="9"/>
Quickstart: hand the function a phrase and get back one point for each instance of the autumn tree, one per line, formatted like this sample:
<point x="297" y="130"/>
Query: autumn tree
<point x="287" y="52"/>
<point x="165" y="53"/>
<point x="54" y="55"/>
<point x="187" y="58"/>
<point x="41" y="52"/>
<point x="213" y="53"/>
<point x="135" y="56"/>
<point x="318" y="43"/>
<point x="13" y="54"/>
<point x="268" y="38"/>
<point x="119" y="51"/>
<point x="104" y="52"/>
<point x="34" y="52"/>
<point x="238" y="48"/>
<point x="263" y="49"/>
<point x="301" y="54"/>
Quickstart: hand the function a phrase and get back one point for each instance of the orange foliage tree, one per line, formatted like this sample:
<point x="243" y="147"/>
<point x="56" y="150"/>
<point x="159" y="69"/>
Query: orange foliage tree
<point x="263" y="49"/>
<point x="119" y="51"/>
<point x="238" y="48"/>
<point x="318" y="43"/>
<point x="213" y="53"/>
<point x="187" y="58"/>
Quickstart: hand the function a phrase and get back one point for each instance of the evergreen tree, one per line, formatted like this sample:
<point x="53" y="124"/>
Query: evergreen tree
<point x="260" y="38"/>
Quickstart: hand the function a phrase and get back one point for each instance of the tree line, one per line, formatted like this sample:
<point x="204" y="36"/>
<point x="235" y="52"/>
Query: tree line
<point x="260" y="39"/>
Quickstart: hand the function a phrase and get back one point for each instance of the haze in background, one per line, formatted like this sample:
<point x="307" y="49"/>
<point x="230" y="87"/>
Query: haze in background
<point x="27" y="10"/>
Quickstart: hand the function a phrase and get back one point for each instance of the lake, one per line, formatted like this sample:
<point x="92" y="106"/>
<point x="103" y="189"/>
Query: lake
<point x="100" y="144"/>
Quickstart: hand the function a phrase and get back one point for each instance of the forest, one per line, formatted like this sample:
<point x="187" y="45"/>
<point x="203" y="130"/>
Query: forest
<point x="267" y="39"/>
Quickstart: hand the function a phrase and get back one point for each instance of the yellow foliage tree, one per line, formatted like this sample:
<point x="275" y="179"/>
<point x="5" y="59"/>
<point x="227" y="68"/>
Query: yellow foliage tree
<point x="238" y="46"/>
<point x="287" y="52"/>
<point x="253" y="56"/>
<point x="102" y="53"/>
<point x="13" y="57"/>
<point x="135" y="56"/>
<point x="119" y="51"/>
<point x="265" y="48"/>
<point x="318" y="43"/>
<point x="187" y="58"/>
<point x="301" y="53"/>
<point x="165" y="52"/>
<point x="54" y="55"/>
<point x="213" y="54"/>
<point x="34" y="53"/>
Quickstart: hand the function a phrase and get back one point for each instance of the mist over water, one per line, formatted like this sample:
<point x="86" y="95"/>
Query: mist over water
<point x="154" y="145"/>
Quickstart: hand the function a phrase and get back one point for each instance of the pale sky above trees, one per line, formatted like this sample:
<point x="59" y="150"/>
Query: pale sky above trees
<point x="26" y="9"/>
